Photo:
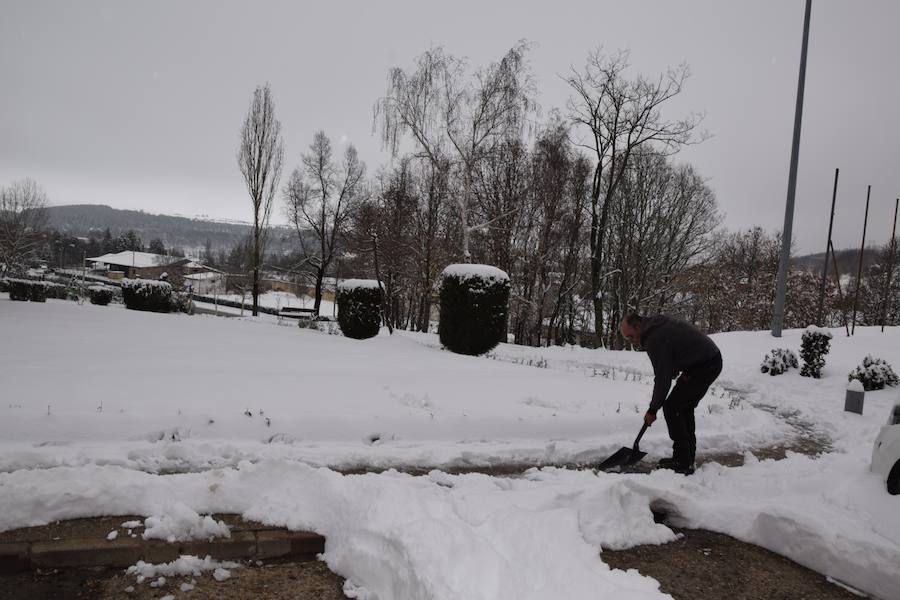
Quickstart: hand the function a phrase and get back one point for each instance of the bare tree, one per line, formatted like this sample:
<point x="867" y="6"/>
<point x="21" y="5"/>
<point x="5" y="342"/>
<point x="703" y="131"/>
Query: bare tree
<point x="620" y="115"/>
<point x="23" y="217"/>
<point x="448" y="112"/>
<point x="260" y="158"/>
<point x="319" y="198"/>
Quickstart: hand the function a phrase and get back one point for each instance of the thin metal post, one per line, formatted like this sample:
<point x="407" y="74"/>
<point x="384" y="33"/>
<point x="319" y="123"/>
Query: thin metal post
<point x="837" y="278"/>
<point x="862" y="250"/>
<point x="890" y="269"/>
<point x="781" y="286"/>
<point x="821" y="304"/>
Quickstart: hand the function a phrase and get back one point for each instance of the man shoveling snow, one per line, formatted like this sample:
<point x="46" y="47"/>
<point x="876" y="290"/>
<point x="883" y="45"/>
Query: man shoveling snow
<point x="674" y="347"/>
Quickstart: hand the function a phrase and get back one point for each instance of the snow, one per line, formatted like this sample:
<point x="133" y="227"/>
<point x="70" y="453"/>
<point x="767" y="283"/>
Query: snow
<point x="180" y="523"/>
<point x="186" y="382"/>
<point x="855" y="385"/>
<point x="352" y="284"/>
<point x="141" y="260"/>
<point x="819" y="330"/>
<point x="184" y="565"/>
<point x="466" y="271"/>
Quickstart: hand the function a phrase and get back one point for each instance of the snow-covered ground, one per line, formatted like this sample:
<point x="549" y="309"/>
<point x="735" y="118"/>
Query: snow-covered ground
<point x="107" y="411"/>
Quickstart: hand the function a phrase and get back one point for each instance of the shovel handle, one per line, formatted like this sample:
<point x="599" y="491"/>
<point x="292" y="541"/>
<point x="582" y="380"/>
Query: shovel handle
<point x="637" y="440"/>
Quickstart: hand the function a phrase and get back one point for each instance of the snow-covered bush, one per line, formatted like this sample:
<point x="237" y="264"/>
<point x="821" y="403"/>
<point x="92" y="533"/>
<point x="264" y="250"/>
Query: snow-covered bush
<point x="101" y="295"/>
<point x="146" y="294"/>
<point x="874" y="374"/>
<point x="359" y="308"/>
<point x="19" y="289"/>
<point x="474" y="301"/>
<point x="181" y="302"/>
<point x="779" y="360"/>
<point x="815" y="345"/>
<point x="55" y="290"/>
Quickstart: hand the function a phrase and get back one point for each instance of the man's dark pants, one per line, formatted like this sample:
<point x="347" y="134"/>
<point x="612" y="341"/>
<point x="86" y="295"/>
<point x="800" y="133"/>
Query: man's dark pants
<point x="679" y="407"/>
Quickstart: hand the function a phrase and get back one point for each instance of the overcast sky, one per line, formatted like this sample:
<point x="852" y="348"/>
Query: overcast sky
<point x="139" y="105"/>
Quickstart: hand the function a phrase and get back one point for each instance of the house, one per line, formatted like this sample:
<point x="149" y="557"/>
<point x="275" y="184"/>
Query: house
<point x="144" y="265"/>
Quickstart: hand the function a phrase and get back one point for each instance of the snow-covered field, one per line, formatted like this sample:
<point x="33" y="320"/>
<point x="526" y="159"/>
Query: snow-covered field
<point x="107" y="411"/>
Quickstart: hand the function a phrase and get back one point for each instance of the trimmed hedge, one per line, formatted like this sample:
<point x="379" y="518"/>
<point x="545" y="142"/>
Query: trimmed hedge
<point x="816" y="343"/>
<point x="101" y="295"/>
<point x="19" y="289"/>
<point x="146" y="294"/>
<point x="474" y="300"/>
<point x="55" y="290"/>
<point x="359" y="308"/>
<point x="35" y="291"/>
<point x="874" y="374"/>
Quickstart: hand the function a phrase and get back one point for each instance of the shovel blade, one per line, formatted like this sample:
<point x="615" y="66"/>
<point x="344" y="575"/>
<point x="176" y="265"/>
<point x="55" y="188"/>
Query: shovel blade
<point x="622" y="458"/>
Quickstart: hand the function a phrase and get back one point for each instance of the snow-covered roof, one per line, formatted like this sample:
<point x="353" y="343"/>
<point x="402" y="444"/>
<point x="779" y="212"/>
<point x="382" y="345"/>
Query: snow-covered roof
<point x="140" y="260"/>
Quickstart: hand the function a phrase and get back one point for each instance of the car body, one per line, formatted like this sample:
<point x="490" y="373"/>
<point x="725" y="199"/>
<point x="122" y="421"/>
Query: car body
<point x="886" y="451"/>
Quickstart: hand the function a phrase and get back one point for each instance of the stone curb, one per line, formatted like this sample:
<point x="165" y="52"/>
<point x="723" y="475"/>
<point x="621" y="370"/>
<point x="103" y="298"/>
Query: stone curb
<point x="260" y="544"/>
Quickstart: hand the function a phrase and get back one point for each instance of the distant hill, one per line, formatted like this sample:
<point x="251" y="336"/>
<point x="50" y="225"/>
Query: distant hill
<point x="847" y="260"/>
<point x="190" y="234"/>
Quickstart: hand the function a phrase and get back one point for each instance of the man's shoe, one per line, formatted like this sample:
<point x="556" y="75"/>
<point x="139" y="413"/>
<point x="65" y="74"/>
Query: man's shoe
<point x="684" y="469"/>
<point x="667" y="463"/>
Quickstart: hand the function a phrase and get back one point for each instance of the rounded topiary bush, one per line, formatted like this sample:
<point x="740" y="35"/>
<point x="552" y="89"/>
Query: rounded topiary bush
<point x="815" y="344"/>
<point x="474" y="301"/>
<point x="874" y="374"/>
<point x="19" y="289"/>
<point x="101" y="295"/>
<point x="359" y="308"/>
<point x="37" y="291"/>
<point x="146" y="294"/>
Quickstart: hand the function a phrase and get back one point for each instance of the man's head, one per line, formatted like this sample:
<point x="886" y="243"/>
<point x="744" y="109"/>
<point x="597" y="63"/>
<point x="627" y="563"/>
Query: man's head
<point x="631" y="328"/>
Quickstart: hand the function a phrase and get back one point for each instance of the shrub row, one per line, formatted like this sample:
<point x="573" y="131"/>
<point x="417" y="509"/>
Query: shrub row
<point x="24" y="290"/>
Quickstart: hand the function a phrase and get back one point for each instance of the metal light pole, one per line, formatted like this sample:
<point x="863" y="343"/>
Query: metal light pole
<point x="828" y="249"/>
<point x="781" y="287"/>
<point x="862" y="250"/>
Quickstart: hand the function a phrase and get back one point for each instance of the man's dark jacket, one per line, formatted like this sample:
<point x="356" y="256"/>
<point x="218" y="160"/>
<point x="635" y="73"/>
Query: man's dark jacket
<point x="673" y="347"/>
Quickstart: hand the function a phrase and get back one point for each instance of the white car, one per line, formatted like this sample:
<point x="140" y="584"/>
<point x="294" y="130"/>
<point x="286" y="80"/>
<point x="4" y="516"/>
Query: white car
<point x="886" y="452"/>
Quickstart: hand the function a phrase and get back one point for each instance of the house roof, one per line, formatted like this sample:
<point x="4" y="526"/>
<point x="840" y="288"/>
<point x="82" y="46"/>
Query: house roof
<point x="139" y="260"/>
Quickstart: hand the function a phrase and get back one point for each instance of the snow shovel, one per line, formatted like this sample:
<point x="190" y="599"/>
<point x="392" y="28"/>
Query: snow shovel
<point x="625" y="456"/>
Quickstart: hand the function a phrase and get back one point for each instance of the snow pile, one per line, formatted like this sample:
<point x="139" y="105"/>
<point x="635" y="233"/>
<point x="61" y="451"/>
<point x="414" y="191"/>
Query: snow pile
<point x="180" y="523"/>
<point x="184" y="566"/>
<point x="466" y="271"/>
<point x="535" y="537"/>
<point x="855" y="385"/>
